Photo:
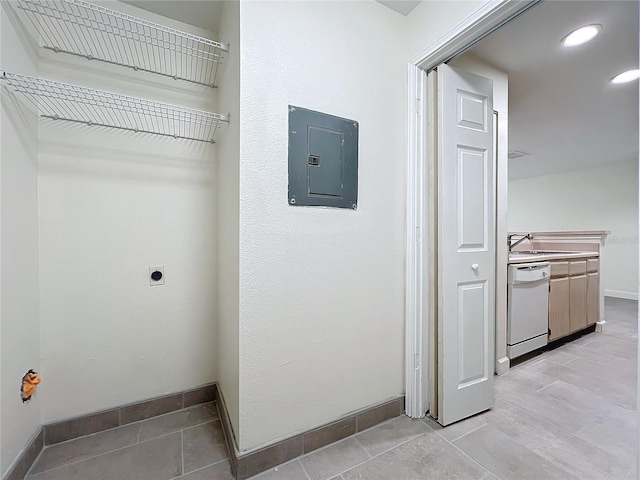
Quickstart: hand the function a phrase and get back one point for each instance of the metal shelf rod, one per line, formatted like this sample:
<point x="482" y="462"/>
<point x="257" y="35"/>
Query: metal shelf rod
<point x="63" y="101"/>
<point x="94" y="32"/>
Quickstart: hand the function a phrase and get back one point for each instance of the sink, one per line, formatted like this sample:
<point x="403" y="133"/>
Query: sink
<point x="536" y="252"/>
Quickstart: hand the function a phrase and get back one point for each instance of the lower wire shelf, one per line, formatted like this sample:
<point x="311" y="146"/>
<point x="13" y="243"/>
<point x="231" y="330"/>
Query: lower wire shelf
<point x="63" y="101"/>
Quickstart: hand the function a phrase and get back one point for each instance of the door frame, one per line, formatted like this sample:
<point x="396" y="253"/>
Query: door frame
<point x="488" y="18"/>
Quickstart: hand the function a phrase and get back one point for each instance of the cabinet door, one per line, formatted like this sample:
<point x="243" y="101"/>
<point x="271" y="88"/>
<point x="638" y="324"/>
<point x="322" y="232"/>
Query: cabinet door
<point x="593" y="298"/>
<point x="559" y="308"/>
<point x="578" y="302"/>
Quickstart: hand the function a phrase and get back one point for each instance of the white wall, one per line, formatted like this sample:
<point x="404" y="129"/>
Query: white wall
<point x="112" y="203"/>
<point x="597" y="198"/>
<point x="19" y="326"/>
<point x="321" y="290"/>
<point x="228" y="161"/>
<point x="477" y="65"/>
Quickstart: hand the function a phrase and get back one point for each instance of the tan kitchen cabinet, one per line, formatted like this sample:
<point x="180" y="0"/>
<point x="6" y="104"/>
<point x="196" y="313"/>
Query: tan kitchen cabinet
<point x="573" y="296"/>
<point x="559" y="325"/>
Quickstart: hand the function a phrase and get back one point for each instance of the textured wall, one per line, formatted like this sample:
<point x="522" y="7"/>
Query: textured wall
<point x="19" y="325"/>
<point x="322" y="290"/>
<point x="112" y="203"/>
<point x="229" y="217"/>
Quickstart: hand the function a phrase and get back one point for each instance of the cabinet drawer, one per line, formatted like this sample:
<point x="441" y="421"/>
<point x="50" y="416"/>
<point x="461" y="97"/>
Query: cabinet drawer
<point x="577" y="267"/>
<point x="592" y="265"/>
<point x="559" y="269"/>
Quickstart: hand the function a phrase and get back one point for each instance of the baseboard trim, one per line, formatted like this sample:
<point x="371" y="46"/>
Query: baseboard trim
<point x="133" y="412"/>
<point x="621" y="294"/>
<point x="227" y="429"/>
<point x="252" y="462"/>
<point x="503" y="365"/>
<point x="18" y="470"/>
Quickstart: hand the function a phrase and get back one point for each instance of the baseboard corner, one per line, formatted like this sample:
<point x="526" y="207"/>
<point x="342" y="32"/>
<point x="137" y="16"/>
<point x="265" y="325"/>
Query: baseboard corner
<point x="503" y="366"/>
<point x="23" y="462"/>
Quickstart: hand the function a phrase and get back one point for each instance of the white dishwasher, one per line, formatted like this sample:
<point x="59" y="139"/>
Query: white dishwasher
<point x="528" y="307"/>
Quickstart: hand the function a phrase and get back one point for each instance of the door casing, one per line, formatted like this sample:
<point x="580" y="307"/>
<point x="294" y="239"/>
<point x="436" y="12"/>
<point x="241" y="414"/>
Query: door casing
<point x="481" y="23"/>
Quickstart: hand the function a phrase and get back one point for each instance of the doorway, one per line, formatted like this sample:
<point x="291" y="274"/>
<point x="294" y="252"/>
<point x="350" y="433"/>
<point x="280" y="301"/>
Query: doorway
<point x="418" y="153"/>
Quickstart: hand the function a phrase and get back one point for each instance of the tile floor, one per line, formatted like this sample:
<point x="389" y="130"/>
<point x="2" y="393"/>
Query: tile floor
<point x="567" y="413"/>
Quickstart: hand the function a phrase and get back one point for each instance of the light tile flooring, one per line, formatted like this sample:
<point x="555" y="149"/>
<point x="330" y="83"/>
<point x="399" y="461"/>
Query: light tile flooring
<point x="568" y="413"/>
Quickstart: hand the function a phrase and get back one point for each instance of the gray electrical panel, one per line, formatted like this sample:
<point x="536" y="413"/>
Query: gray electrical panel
<point x="323" y="159"/>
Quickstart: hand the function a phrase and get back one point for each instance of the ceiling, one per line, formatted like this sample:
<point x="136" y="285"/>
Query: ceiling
<point x="401" y="6"/>
<point x="562" y="109"/>
<point x="206" y="14"/>
<point x="203" y="14"/>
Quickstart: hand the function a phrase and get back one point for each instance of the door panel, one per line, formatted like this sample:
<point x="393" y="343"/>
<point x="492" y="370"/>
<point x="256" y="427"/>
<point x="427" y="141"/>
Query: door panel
<point x="472" y="298"/>
<point x="466" y="244"/>
<point x="472" y="176"/>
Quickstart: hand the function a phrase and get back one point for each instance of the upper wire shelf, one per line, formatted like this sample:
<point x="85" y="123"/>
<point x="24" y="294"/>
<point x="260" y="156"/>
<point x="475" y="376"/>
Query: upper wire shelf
<point x="62" y="101"/>
<point x="82" y="28"/>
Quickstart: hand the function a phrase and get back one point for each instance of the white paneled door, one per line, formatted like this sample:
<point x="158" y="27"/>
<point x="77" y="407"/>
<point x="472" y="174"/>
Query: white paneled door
<point x="466" y="244"/>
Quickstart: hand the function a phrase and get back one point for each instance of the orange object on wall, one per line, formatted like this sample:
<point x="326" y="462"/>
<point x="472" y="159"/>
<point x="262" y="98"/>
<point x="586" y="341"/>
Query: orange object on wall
<point x="29" y="385"/>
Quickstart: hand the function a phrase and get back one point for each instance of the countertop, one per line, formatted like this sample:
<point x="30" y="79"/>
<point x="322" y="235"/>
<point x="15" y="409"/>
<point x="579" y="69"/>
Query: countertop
<point x="543" y="256"/>
<point x="567" y="233"/>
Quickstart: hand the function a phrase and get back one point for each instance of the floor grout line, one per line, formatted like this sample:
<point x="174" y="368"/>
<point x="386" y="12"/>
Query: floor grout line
<point x="382" y="453"/>
<point x="362" y="446"/>
<point x="182" y="452"/>
<point x="201" y="468"/>
<point x="546" y="386"/>
<point x="470" y="457"/>
<point x="304" y="469"/>
<point x="464" y="434"/>
<point x="402" y="443"/>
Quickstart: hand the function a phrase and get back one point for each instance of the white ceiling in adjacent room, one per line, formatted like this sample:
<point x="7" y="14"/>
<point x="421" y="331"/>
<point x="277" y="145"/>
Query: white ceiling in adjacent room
<point x="563" y="110"/>
<point x="401" y="6"/>
<point x="203" y="14"/>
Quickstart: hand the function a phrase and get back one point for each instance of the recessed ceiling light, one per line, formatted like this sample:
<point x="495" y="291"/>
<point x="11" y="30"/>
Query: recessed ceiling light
<point x="626" y="77"/>
<point x="581" y="35"/>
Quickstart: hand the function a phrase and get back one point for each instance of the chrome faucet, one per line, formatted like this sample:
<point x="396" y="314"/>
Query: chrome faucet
<point x="528" y="236"/>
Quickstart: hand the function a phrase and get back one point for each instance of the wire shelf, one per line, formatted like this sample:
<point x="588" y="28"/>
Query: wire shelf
<point x="62" y="101"/>
<point x="81" y="28"/>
